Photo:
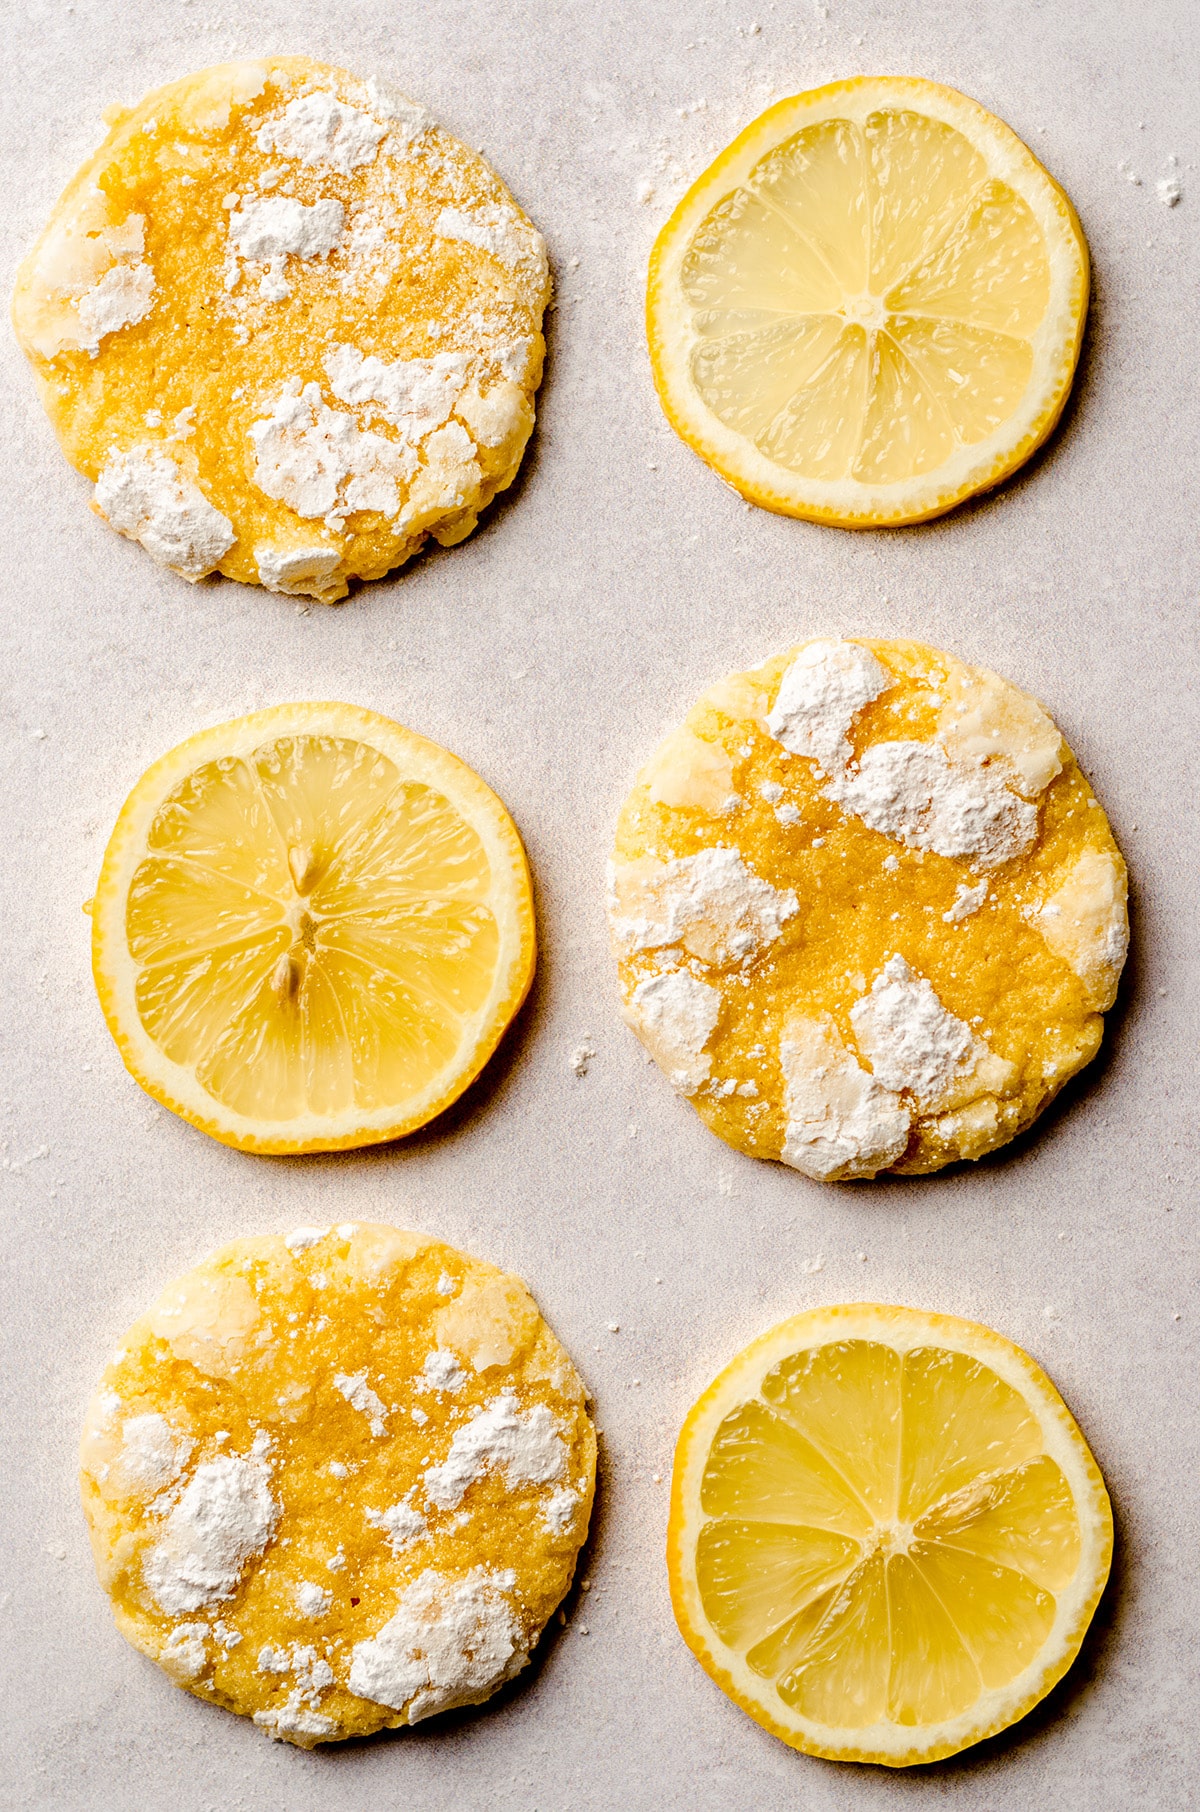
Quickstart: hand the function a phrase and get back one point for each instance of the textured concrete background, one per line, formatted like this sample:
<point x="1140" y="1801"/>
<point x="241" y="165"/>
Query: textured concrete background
<point x="550" y="651"/>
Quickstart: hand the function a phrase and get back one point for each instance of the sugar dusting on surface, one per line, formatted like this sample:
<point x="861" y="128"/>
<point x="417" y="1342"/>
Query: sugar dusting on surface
<point x="528" y="1449"/>
<point x="400" y="1523"/>
<point x="152" y="1454"/>
<point x="913" y="1042"/>
<point x="821" y="693"/>
<point x="842" y="1121"/>
<point x="712" y="903"/>
<point x="224" y="1517"/>
<point x="913" y="791"/>
<point x="449" y="1642"/>
<point x="360" y="1396"/>
<point x="319" y="129"/>
<point x="675" y="1015"/>
<point x="145" y="496"/>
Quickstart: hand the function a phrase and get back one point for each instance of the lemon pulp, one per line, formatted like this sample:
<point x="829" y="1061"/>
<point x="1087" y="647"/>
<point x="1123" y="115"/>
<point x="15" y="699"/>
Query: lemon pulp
<point x="887" y="1550"/>
<point x="867" y="297"/>
<point x="312" y="936"/>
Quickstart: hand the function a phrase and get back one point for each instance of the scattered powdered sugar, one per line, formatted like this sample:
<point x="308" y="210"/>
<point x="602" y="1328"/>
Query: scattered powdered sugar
<point x="269" y="230"/>
<point x="184" y="1654"/>
<point x="559" y="1510"/>
<point x="515" y="359"/>
<point x="448" y="1643"/>
<point x="913" y="1042"/>
<point x="913" y="791"/>
<point x="295" y="571"/>
<point x="406" y="119"/>
<point x="414" y="395"/>
<point x="675" y="1015"/>
<point x="320" y="463"/>
<point x="401" y="1524"/>
<point x="711" y="903"/>
<point x="360" y="1396"/>
<point x="301" y="1238"/>
<point x="225" y="1516"/>
<point x="442" y="1371"/>
<point x="967" y="900"/>
<point x="145" y="496"/>
<point x="841" y="1121"/>
<point x="313" y="1600"/>
<point x="319" y="129"/>
<point x="528" y="1449"/>
<point x="498" y="230"/>
<point x="820" y="695"/>
<point x="152" y="1455"/>
<point x="445" y="1285"/>
<point x="123" y="296"/>
<point x="297" y="1717"/>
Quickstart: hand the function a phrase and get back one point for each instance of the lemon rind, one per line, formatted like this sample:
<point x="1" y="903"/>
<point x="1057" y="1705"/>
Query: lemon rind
<point x="173" y="1085"/>
<point x="848" y="503"/>
<point x="890" y="1745"/>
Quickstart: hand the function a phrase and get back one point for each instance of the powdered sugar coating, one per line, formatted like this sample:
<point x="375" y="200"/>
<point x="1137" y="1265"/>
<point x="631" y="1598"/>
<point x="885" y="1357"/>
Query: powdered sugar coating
<point x="841" y="1121"/>
<point x="224" y="1518"/>
<point x="449" y="1642"/>
<point x="675" y="1015"/>
<point x="711" y="903"/>
<point x="320" y="463"/>
<point x="824" y="689"/>
<point x="123" y="296"/>
<point x="914" y="792"/>
<point x="914" y="1043"/>
<point x="145" y="495"/>
<point x="319" y="129"/>
<point x="527" y="1448"/>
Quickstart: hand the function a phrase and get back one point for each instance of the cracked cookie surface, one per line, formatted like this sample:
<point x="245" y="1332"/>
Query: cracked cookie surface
<point x="866" y="910"/>
<point x="289" y="327"/>
<point x="338" y="1480"/>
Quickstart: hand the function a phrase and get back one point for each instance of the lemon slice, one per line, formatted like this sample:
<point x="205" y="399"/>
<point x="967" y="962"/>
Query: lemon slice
<point x="311" y="929"/>
<point x="887" y="1534"/>
<point x="870" y="306"/>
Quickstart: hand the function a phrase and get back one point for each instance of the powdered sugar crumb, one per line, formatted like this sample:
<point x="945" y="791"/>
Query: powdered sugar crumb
<point x="360" y="1396"/>
<point x="224" y="1517"/>
<point x="144" y="495"/>
<point x="449" y="1642"/>
<point x="528" y="1449"/>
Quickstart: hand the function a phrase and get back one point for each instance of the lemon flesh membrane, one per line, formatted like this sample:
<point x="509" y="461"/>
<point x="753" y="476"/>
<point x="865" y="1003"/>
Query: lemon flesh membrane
<point x="869" y="320"/>
<point x="891" y="1561"/>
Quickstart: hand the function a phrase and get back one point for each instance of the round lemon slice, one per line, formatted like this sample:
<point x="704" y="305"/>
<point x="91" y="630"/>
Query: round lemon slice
<point x="311" y="929"/>
<point x="887" y="1534"/>
<point x="870" y="306"/>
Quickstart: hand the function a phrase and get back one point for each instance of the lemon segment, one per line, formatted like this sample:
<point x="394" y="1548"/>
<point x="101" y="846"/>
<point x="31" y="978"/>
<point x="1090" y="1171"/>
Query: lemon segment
<point x="870" y="306"/>
<point x="887" y="1534"/>
<point x="311" y="929"/>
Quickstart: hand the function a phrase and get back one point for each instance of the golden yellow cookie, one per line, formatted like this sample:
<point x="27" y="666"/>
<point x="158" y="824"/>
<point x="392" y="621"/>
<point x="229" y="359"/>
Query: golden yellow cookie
<point x="338" y="1480"/>
<point x="887" y="1534"/>
<point x="289" y="327"/>
<point x="870" y="305"/>
<point x="866" y="911"/>
<point x="311" y="929"/>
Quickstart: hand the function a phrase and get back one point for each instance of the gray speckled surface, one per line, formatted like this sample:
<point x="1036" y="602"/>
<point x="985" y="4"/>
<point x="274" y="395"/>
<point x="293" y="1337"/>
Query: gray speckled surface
<point x="550" y="651"/>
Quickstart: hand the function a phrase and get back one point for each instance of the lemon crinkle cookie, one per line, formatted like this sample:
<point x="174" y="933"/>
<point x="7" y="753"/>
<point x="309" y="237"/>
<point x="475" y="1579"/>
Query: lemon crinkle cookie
<point x="866" y="910"/>
<point x="289" y="327"/>
<point x="338" y="1481"/>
